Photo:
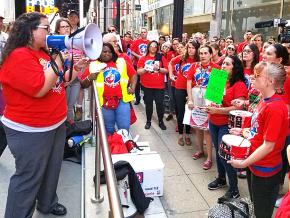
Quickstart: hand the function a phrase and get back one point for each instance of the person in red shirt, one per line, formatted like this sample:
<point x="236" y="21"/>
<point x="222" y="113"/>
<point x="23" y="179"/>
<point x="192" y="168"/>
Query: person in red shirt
<point x="115" y="83"/>
<point x="184" y="62"/>
<point x="139" y="49"/>
<point x="218" y="123"/>
<point x="247" y="37"/>
<point x="197" y="77"/>
<point x="250" y="57"/>
<point x="270" y="130"/>
<point x="152" y="69"/>
<point x="34" y="116"/>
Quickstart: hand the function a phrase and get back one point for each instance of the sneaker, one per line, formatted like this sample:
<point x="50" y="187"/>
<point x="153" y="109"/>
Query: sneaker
<point x="78" y="113"/>
<point x="229" y="195"/>
<point x="207" y="165"/>
<point x="147" y="125"/>
<point x="169" y="117"/>
<point x="242" y="174"/>
<point x="217" y="183"/>
<point x="197" y="155"/>
<point x="162" y="126"/>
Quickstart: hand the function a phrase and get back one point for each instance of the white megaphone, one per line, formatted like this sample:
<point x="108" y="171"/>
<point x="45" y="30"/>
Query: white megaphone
<point x="89" y="40"/>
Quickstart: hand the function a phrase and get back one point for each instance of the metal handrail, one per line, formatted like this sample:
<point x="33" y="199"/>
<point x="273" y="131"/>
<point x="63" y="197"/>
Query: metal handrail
<point x="101" y="141"/>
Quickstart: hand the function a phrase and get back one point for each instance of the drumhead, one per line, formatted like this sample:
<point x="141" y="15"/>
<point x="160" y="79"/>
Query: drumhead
<point x="241" y="113"/>
<point x="234" y="140"/>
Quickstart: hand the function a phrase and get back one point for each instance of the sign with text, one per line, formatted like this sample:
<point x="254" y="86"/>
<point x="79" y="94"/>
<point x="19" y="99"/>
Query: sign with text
<point x="216" y="86"/>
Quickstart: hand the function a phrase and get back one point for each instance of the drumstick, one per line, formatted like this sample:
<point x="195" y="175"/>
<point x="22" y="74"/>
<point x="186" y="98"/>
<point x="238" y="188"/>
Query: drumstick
<point x="241" y="142"/>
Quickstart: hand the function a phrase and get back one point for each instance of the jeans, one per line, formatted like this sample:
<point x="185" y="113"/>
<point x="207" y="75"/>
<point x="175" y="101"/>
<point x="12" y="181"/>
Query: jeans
<point x="217" y="132"/>
<point x="120" y="116"/>
<point x="180" y="97"/>
<point x="3" y="140"/>
<point x="263" y="193"/>
<point x="156" y="95"/>
<point x="137" y="88"/>
<point x="285" y="168"/>
<point x="72" y="92"/>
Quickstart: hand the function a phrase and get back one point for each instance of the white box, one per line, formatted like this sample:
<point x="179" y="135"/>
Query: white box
<point x="149" y="169"/>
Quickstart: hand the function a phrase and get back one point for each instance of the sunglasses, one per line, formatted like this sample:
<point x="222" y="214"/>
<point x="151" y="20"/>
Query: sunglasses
<point x="111" y="31"/>
<point x="231" y="48"/>
<point x="46" y="27"/>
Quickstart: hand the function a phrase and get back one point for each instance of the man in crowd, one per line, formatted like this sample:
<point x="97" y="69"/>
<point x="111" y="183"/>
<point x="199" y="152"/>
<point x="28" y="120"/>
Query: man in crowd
<point x="139" y="49"/>
<point x="247" y="40"/>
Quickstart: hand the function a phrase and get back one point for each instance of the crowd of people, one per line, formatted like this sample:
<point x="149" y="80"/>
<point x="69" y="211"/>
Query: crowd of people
<point x="40" y="97"/>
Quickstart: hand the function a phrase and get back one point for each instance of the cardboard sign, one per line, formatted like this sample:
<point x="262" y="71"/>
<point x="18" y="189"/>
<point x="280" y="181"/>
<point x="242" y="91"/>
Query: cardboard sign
<point x="216" y="86"/>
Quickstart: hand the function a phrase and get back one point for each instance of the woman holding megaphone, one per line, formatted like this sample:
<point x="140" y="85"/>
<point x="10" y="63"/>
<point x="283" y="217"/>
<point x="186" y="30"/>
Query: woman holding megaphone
<point x="33" y="86"/>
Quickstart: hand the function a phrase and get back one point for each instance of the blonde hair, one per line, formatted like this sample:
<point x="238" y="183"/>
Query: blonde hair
<point x="274" y="71"/>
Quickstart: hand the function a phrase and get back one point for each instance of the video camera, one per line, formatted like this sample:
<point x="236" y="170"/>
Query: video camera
<point x="284" y="36"/>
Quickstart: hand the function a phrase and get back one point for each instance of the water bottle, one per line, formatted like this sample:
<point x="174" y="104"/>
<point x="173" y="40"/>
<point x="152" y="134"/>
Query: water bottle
<point x="74" y="140"/>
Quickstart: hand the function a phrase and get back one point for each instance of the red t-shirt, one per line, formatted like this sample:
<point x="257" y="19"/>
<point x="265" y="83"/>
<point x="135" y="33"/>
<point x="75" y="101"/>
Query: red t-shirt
<point x="286" y="96"/>
<point x="238" y="90"/>
<point x="22" y="77"/>
<point x="112" y="78"/>
<point x="170" y="55"/>
<point x="248" y="73"/>
<point x="139" y="46"/>
<point x="153" y="80"/>
<point x="181" y="68"/>
<point x="269" y="123"/>
<point x="199" y="74"/>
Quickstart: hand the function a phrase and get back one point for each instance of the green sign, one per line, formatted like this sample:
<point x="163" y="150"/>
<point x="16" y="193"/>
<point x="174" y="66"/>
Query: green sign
<point x="216" y="86"/>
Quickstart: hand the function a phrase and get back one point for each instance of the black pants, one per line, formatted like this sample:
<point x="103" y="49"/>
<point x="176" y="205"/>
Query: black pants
<point x="285" y="167"/>
<point x="263" y="193"/>
<point x="137" y="88"/>
<point x="157" y="95"/>
<point x="3" y="140"/>
<point x="180" y="98"/>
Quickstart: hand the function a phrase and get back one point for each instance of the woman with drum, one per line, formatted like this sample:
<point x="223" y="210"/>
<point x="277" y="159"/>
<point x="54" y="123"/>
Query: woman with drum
<point x="197" y="80"/>
<point x="270" y="130"/>
<point x="218" y="123"/>
<point x="184" y="62"/>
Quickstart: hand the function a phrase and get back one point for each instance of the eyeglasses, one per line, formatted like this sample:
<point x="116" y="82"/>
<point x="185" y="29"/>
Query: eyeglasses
<point x="231" y="48"/>
<point x="227" y="63"/>
<point x="111" y="30"/>
<point x="247" y="51"/>
<point x="64" y="27"/>
<point x="144" y="32"/>
<point x="46" y="27"/>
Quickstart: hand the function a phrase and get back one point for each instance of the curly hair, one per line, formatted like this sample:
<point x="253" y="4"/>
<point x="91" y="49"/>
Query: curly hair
<point x="21" y="33"/>
<point x="238" y="70"/>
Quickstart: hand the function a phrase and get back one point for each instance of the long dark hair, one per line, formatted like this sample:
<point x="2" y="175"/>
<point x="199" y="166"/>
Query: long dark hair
<point x="238" y="70"/>
<point x="21" y="33"/>
<point x="149" y="44"/>
<point x="256" y="53"/>
<point x="281" y="52"/>
<point x="196" y="46"/>
<point x="114" y="54"/>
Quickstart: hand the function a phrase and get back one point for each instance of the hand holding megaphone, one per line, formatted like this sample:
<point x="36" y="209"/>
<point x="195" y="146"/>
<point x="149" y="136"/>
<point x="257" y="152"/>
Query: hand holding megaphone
<point x="88" y="39"/>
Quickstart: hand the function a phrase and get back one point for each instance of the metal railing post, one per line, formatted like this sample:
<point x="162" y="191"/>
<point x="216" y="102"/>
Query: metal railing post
<point x="113" y="194"/>
<point x="98" y="197"/>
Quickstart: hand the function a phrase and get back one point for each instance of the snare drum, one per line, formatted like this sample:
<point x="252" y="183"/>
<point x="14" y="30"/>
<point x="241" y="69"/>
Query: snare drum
<point x="240" y="119"/>
<point x="234" y="147"/>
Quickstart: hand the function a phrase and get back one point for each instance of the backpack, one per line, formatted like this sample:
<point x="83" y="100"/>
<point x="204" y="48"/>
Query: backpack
<point x="74" y="153"/>
<point x="233" y="208"/>
<point x="123" y="169"/>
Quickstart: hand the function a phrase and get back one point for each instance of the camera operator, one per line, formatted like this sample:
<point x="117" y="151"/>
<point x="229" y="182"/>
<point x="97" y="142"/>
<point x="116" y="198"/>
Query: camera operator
<point x="34" y="117"/>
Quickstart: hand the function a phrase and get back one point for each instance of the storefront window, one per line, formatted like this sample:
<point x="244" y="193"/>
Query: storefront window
<point x="241" y="15"/>
<point x="164" y="19"/>
<point x="197" y="7"/>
